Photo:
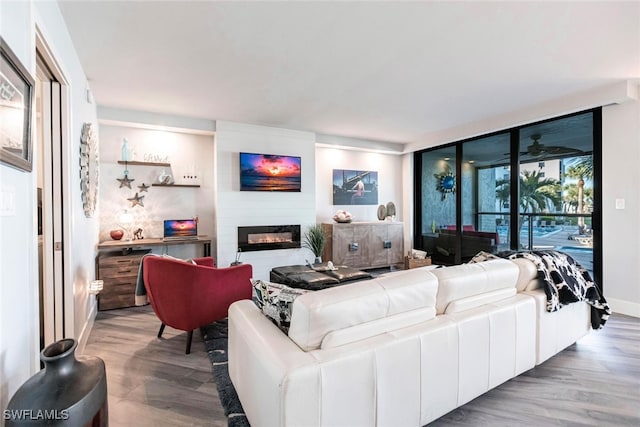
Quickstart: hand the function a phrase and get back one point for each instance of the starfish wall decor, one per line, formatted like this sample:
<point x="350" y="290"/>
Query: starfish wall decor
<point x="136" y="200"/>
<point x="126" y="181"/>
<point x="143" y="187"/>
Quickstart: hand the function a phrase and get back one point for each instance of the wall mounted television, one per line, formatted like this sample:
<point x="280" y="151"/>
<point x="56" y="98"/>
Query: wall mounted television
<point x="269" y="172"/>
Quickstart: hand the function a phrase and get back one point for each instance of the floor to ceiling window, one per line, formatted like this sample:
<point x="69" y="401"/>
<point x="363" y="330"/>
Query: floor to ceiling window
<point x="466" y="192"/>
<point x="485" y="204"/>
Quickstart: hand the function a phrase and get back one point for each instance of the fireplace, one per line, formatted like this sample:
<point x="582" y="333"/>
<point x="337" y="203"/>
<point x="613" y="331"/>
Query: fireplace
<point x="268" y="237"/>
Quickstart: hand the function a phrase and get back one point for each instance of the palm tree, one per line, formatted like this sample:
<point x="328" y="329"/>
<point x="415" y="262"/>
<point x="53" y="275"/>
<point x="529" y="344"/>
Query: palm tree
<point x="503" y="192"/>
<point x="571" y="196"/>
<point x="536" y="193"/>
<point x="582" y="169"/>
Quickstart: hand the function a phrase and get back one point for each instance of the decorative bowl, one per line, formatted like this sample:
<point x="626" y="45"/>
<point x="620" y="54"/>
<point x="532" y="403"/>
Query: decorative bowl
<point x="116" y="234"/>
<point x="342" y="216"/>
<point x="342" y="221"/>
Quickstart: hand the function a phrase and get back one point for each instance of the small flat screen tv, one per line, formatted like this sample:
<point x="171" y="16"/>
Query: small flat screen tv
<point x="269" y="172"/>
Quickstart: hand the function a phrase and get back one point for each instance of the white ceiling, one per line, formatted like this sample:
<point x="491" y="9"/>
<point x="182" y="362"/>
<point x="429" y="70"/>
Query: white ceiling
<point x="384" y="71"/>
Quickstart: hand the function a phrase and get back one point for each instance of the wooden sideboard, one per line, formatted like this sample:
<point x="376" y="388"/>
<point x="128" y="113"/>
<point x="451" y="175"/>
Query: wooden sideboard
<point x="365" y="245"/>
<point x="118" y="262"/>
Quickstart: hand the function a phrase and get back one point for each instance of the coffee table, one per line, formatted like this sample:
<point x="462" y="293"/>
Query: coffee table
<point x="316" y="277"/>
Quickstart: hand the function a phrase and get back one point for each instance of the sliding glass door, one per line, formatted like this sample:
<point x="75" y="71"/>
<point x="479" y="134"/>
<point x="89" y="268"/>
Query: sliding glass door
<point x="438" y="203"/>
<point x="530" y="187"/>
<point x="557" y="186"/>
<point x="485" y="202"/>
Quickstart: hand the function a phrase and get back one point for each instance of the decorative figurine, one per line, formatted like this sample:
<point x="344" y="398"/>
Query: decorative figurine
<point x="165" y="178"/>
<point x="138" y="234"/>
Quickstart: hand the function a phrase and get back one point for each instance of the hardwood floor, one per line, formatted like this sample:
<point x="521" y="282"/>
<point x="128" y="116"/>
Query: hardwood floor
<point x="595" y="382"/>
<point x="151" y="381"/>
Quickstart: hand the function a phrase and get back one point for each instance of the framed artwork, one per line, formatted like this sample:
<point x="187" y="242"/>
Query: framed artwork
<point x="16" y="107"/>
<point x="355" y="187"/>
<point x="268" y="172"/>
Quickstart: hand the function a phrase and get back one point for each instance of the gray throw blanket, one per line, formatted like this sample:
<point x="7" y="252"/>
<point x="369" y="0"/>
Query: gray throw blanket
<point x="141" y="291"/>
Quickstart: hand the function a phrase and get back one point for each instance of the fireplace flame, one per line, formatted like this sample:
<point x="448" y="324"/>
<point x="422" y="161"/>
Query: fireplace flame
<point x="260" y="238"/>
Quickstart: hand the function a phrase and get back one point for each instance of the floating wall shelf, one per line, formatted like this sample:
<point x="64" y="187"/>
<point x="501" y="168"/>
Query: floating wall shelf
<point x="175" y="185"/>
<point x="122" y="162"/>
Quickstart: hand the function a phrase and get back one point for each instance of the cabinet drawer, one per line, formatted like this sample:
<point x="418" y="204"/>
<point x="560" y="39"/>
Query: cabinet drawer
<point x="121" y="271"/>
<point x="118" y="288"/>
<point x="116" y="281"/>
<point x="108" y="302"/>
<point x="119" y="261"/>
<point x="116" y="295"/>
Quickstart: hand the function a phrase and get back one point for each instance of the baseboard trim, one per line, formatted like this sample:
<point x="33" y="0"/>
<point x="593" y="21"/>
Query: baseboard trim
<point x="86" y="330"/>
<point x="624" y="307"/>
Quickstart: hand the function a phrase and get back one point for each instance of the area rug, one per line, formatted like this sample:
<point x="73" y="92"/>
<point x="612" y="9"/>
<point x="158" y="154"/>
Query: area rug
<point x="215" y="338"/>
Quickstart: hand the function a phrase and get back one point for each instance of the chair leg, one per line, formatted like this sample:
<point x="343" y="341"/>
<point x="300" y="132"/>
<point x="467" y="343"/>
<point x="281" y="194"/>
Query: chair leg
<point x="161" y="330"/>
<point x="189" y="337"/>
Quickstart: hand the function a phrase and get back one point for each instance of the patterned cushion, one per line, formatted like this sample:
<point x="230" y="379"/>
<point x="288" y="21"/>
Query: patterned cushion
<point x="276" y="301"/>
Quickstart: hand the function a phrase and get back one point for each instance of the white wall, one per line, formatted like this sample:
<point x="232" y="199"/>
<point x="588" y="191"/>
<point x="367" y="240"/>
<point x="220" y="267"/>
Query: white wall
<point x="19" y="328"/>
<point x="407" y="204"/>
<point x="186" y="152"/>
<point x="18" y="284"/>
<point x="246" y="208"/>
<point x="388" y="166"/>
<point x="621" y="228"/>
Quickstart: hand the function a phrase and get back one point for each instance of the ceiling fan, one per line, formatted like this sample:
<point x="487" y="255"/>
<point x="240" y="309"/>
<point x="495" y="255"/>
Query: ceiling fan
<point x="537" y="149"/>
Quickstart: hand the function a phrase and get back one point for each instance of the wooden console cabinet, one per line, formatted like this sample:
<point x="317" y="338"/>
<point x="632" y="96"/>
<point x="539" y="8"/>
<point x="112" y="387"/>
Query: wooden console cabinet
<point x="365" y="244"/>
<point x="120" y="274"/>
<point x="118" y="262"/>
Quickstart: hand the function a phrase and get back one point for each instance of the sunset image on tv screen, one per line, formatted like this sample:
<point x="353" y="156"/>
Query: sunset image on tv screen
<point x="267" y="172"/>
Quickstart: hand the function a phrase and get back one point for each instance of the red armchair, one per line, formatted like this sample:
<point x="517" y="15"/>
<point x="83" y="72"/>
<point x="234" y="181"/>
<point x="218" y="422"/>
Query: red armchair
<point x="187" y="296"/>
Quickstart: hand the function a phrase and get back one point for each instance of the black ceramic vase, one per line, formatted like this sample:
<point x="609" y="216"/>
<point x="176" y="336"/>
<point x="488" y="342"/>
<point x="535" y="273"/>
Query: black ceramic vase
<point x="68" y="392"/>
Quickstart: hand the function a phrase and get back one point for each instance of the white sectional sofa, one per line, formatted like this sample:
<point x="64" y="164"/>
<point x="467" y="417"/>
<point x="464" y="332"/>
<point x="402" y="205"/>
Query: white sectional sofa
<point x="398" y="350"/>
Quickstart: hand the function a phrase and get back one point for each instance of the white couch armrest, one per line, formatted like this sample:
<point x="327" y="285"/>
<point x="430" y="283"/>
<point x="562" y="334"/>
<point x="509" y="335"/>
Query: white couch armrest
<point x="267" y="369"/>
<point x="559" y="329"/>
